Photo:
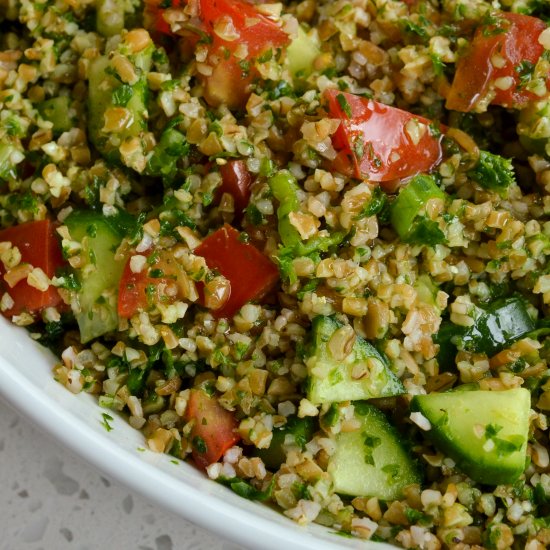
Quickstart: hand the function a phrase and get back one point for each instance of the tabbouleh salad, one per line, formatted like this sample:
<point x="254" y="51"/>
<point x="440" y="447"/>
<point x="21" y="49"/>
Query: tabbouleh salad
<point x="302" y="244"/>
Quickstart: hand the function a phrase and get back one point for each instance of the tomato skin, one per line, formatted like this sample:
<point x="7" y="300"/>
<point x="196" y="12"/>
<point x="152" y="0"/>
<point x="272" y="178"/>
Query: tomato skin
<point x="251" y="274"/>
<point x="237" y="181"/>
<point x="232" y="76"/>
<point x="515" y="41"/>
<point x="39" y="246"/>
<point x="388" y="151"/>
<point x="228" y="85"/>
<point x="133" y="295"/>
<point x="233" y="71"/>
<point x="257" y="31"/>
<point x="132" y="291"/>
<point x="214" y="425"/>
<point x="154" y="15"/>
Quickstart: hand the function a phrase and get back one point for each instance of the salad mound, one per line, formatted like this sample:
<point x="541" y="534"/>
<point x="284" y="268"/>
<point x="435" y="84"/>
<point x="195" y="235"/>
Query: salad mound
<point x="302" y="245"/>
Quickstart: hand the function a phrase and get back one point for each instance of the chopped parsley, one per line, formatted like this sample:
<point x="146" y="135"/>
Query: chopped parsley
<point x="344" y="105"/>
<point x="105" y="422"/>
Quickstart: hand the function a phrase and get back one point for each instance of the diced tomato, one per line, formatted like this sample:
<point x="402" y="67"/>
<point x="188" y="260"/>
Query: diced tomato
<point x="255" y="30"/>
<point x="237" y="181"/>
<point x="238" y="35"/>
<point x="249" y="34"/>
<point x="250" y="273"/>
<point x="154" y="14"/>
<point x="378" y="142"/>
<point x="39" y="247"/>
<point x="505" y="48"/>
<point x="214" y="430"/>
<point x="157" y="283"/>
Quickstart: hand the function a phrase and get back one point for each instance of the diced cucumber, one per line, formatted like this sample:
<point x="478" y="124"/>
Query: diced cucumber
<point x="285" y="189"/>
<point x="426" y="290"/>
<point x="372" y="461"/>
<point x="302" y="52"/>
<point x="484" y="432"/>
<point x="363" y="374"/>
<point x="153" y="403"/>
<point x="407" y="211"/>
<point x="56" y="110"/>
<point x="495" y="328"/>
<point x="301" y="431"/>
<point x="96" y="305"/>
<point x="105" y="92"/>
<point x="8" y="169"/>
<point x="109" y="17"/>
<point x="534" y="127"/>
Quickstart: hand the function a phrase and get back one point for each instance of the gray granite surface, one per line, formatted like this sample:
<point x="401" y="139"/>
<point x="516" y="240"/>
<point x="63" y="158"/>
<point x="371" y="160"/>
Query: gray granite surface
<point x="52" y="500"/>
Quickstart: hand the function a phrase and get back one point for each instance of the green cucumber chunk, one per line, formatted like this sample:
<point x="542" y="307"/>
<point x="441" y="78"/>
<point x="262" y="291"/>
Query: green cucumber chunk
<point x="95" y="307"/>
<point x="8" y="170"/>
<point x="484" y="432"/>
<point x="109" y="17"/>
<point x="285" y="189"/>
<point x="427" y="291"/>
<point x="534" y="127"/>
<point x="56" y="111"/>
<point x="407" y="212"/>
<point x="495" y="328"/>
<point x="498" y="326"/>
<point x="105" y="91"/>
<point x="300" y="430"/>
<point x="302" y="52"/>
<point x="362" y="374"/>
<point x="372" y="461"/>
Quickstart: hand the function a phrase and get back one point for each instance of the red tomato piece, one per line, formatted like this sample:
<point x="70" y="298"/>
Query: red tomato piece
<point x="156" y="283"/>
<point x="250" y="273"/>
<point x="378" y="142"/>
<point x="239" y="33"/>
<point x="154" y="14"/>
<point x="214" y="430"/>
<point x="237" y="181"/>
<point x="249" y="27"/>
<point x="506" y="48"/>
<point x="247" y="30"/>
<point x="39" y="247"/>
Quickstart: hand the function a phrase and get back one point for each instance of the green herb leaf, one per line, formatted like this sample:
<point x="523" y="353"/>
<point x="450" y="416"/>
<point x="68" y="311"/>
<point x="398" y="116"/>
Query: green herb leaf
<point x="248" y="491"/>
<point x="493" y="172"/>
<point x="106" y="419"/>
<point x="377" y="202"/>
<point x="344" y="105"/>
<point x="122" y="95"/>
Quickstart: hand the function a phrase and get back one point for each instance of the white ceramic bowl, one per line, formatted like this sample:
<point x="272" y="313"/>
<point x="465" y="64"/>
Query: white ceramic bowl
<point x="76" y="420"/>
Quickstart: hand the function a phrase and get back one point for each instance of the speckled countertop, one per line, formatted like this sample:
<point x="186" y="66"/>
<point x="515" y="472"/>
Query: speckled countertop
<point x="52" y="500"/>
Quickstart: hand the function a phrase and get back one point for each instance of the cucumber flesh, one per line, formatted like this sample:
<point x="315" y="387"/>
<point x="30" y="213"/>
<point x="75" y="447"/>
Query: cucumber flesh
<point x="484" y="432"/>
<point x="372" y="461"/>
<point x="56" y="110"/>
<point x="106" y="92"/>
<point x="406" y="210"/>
<point x="8" y="170"/>
<point x="301" y="430"/>
<point x="302" y="52"/>
<point x="95" y="306"/>
<point x="332" y="380"/>
<point x="109" y="17"/>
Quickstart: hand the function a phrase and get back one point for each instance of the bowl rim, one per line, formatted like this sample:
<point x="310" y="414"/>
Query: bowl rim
<point x="100" y="451"/>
